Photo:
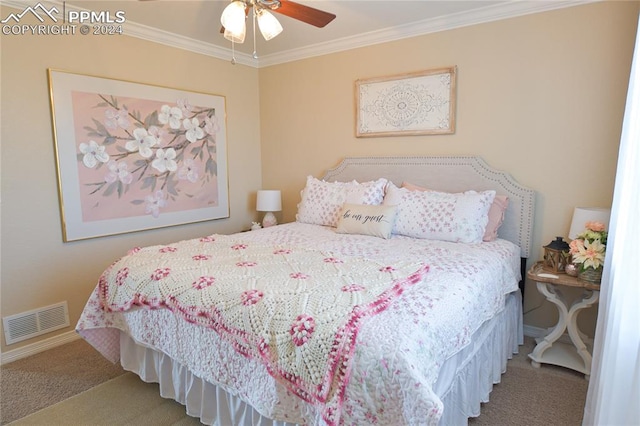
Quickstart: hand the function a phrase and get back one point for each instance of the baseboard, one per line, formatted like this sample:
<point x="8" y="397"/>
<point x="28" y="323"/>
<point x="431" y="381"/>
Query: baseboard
<point x="535" y="332"/>
<point x="37" y="347"/>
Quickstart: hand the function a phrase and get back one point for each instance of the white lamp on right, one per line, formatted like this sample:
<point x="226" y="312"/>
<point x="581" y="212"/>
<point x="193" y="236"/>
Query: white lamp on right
<point x="582" y="215"/>
<point x="269" y="200"/>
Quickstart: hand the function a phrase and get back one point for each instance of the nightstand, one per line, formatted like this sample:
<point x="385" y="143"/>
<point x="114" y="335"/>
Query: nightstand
<point x="549" y="350"/>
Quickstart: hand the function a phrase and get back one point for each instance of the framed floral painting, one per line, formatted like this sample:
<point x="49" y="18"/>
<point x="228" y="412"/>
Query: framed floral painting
<point x="132" y="156"/>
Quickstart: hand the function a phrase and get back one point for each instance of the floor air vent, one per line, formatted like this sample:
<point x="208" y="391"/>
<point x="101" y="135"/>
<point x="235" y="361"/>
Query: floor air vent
<point x="36" y="322"/>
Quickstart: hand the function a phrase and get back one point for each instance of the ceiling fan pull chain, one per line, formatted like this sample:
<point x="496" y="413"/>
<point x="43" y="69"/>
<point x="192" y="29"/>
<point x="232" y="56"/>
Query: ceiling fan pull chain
<point x="255" y="53"/>
<point x="233" y="53"/>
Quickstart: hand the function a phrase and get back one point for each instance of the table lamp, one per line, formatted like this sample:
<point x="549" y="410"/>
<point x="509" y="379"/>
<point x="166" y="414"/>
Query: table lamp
<point x="269" y="200"/>
<point x="582" y="215"/>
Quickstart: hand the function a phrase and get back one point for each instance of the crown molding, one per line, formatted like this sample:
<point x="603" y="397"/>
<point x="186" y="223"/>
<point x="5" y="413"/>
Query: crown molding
<point x="180" y="42"/>
<point x="488" y="14"/>
<point x="428" y="26"/>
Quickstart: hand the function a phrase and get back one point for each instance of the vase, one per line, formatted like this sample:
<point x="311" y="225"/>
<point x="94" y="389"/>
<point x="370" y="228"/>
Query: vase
<point x="571" y="269"/>
<point x="591" y="275"/>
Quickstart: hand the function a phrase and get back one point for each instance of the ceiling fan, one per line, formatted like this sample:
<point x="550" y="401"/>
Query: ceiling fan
<point x="235" y="14"/>
<point x="234" y="17"/>
<point x="309" y="15"/>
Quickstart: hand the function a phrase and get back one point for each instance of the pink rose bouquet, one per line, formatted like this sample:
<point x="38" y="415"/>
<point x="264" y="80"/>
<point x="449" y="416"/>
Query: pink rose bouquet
<point x="589" y="248"/>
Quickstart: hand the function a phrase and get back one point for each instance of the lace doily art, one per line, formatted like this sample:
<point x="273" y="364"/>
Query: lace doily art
<point x="419" y="103"/>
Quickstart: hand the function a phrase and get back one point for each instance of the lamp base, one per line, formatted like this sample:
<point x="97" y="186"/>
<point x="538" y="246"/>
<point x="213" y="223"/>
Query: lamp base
<point x="269" y="220"/>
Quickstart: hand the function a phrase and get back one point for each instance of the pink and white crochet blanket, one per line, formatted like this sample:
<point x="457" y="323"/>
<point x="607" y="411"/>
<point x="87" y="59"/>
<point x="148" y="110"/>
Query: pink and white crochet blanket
<point x="297" y="310"/>
<point x="399" y="353"/>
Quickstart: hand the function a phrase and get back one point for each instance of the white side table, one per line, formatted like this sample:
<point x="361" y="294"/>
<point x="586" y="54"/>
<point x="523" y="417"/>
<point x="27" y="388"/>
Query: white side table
<point x="549" y="350"/>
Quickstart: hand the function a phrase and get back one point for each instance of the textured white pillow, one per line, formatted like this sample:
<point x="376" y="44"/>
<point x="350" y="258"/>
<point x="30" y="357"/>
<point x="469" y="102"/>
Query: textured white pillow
<point x="322" y="201"/>
<point x="433" y="215"/>
<point x="367" y="220"/>
<point x="496" y="212"/>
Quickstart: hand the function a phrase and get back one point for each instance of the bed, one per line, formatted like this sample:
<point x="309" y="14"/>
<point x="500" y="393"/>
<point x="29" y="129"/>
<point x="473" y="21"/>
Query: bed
<point x="356" y="313"/>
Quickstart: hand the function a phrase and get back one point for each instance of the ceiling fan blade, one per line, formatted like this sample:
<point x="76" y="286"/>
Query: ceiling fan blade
<point x="309" y="15"/>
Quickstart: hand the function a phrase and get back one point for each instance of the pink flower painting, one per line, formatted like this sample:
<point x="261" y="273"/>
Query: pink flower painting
<point x="140" y="157"/>
<point x="133" y="156"/>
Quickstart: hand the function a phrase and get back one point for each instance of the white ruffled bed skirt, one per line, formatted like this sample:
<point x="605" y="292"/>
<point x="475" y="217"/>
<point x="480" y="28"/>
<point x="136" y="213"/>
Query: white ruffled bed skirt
<point x="465" y="380"/>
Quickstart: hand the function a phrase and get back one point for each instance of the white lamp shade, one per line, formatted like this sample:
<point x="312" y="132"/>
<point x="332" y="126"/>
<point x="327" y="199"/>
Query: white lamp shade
<point x="269" y="200"/>
<point x="268" y="24"/>
<point x="582" y="215"/>
<point x="235" y="37"/>
<point x="233" y="21"/>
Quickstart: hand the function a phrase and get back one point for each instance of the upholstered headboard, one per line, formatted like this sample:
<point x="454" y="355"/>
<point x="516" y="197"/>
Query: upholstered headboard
<point x="451" y="174"/>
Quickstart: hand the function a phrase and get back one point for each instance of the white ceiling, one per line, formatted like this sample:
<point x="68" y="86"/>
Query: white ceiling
<point x="195" y="25"/>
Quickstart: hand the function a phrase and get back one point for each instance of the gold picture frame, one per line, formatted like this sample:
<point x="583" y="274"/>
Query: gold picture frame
<point x="417" y="103"/>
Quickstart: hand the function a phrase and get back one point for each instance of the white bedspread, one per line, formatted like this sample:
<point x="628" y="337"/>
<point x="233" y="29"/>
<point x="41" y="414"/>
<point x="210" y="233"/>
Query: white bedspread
<point x="398" y="353"/>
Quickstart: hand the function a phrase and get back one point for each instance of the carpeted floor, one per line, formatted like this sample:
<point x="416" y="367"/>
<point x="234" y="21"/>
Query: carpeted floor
<point x="74" y="381"/>
<point x="131" y="402"/>
<point x="545" y="396"/>
<point x="30" y="384"/>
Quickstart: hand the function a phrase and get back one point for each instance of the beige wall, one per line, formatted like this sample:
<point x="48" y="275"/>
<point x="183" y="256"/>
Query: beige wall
<point x="38" y="269"/>
<point x="541" y="96"/>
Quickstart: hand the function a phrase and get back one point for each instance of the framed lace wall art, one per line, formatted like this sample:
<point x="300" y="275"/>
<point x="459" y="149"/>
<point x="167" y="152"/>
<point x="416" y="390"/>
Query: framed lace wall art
<point x="133" y="156"/>
<point x="417" y="103"/>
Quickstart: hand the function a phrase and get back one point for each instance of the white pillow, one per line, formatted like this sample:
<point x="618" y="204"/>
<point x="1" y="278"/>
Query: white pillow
<point x="496" y="212"/>
<point x="367" y="220"/>
<point x="460" y="217"/>
<point x="322" y="201"/>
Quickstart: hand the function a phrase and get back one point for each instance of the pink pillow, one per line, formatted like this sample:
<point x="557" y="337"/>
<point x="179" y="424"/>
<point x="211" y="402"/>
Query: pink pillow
<point x="496" y="211"/>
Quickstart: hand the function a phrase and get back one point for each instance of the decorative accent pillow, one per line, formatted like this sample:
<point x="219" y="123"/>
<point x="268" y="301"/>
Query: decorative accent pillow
<point x="441" y="216"/>
<point x="367" y="220"/>
<point x="496" y="212"/>
<point x="496" y="217"/>
<point x="322" y="201"/>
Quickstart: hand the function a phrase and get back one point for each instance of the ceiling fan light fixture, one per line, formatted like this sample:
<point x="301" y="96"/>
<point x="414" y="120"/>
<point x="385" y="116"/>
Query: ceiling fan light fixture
<point x="268" y="24"/>
<point x="233" y="18"/>
<point x="237" y="37"/>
